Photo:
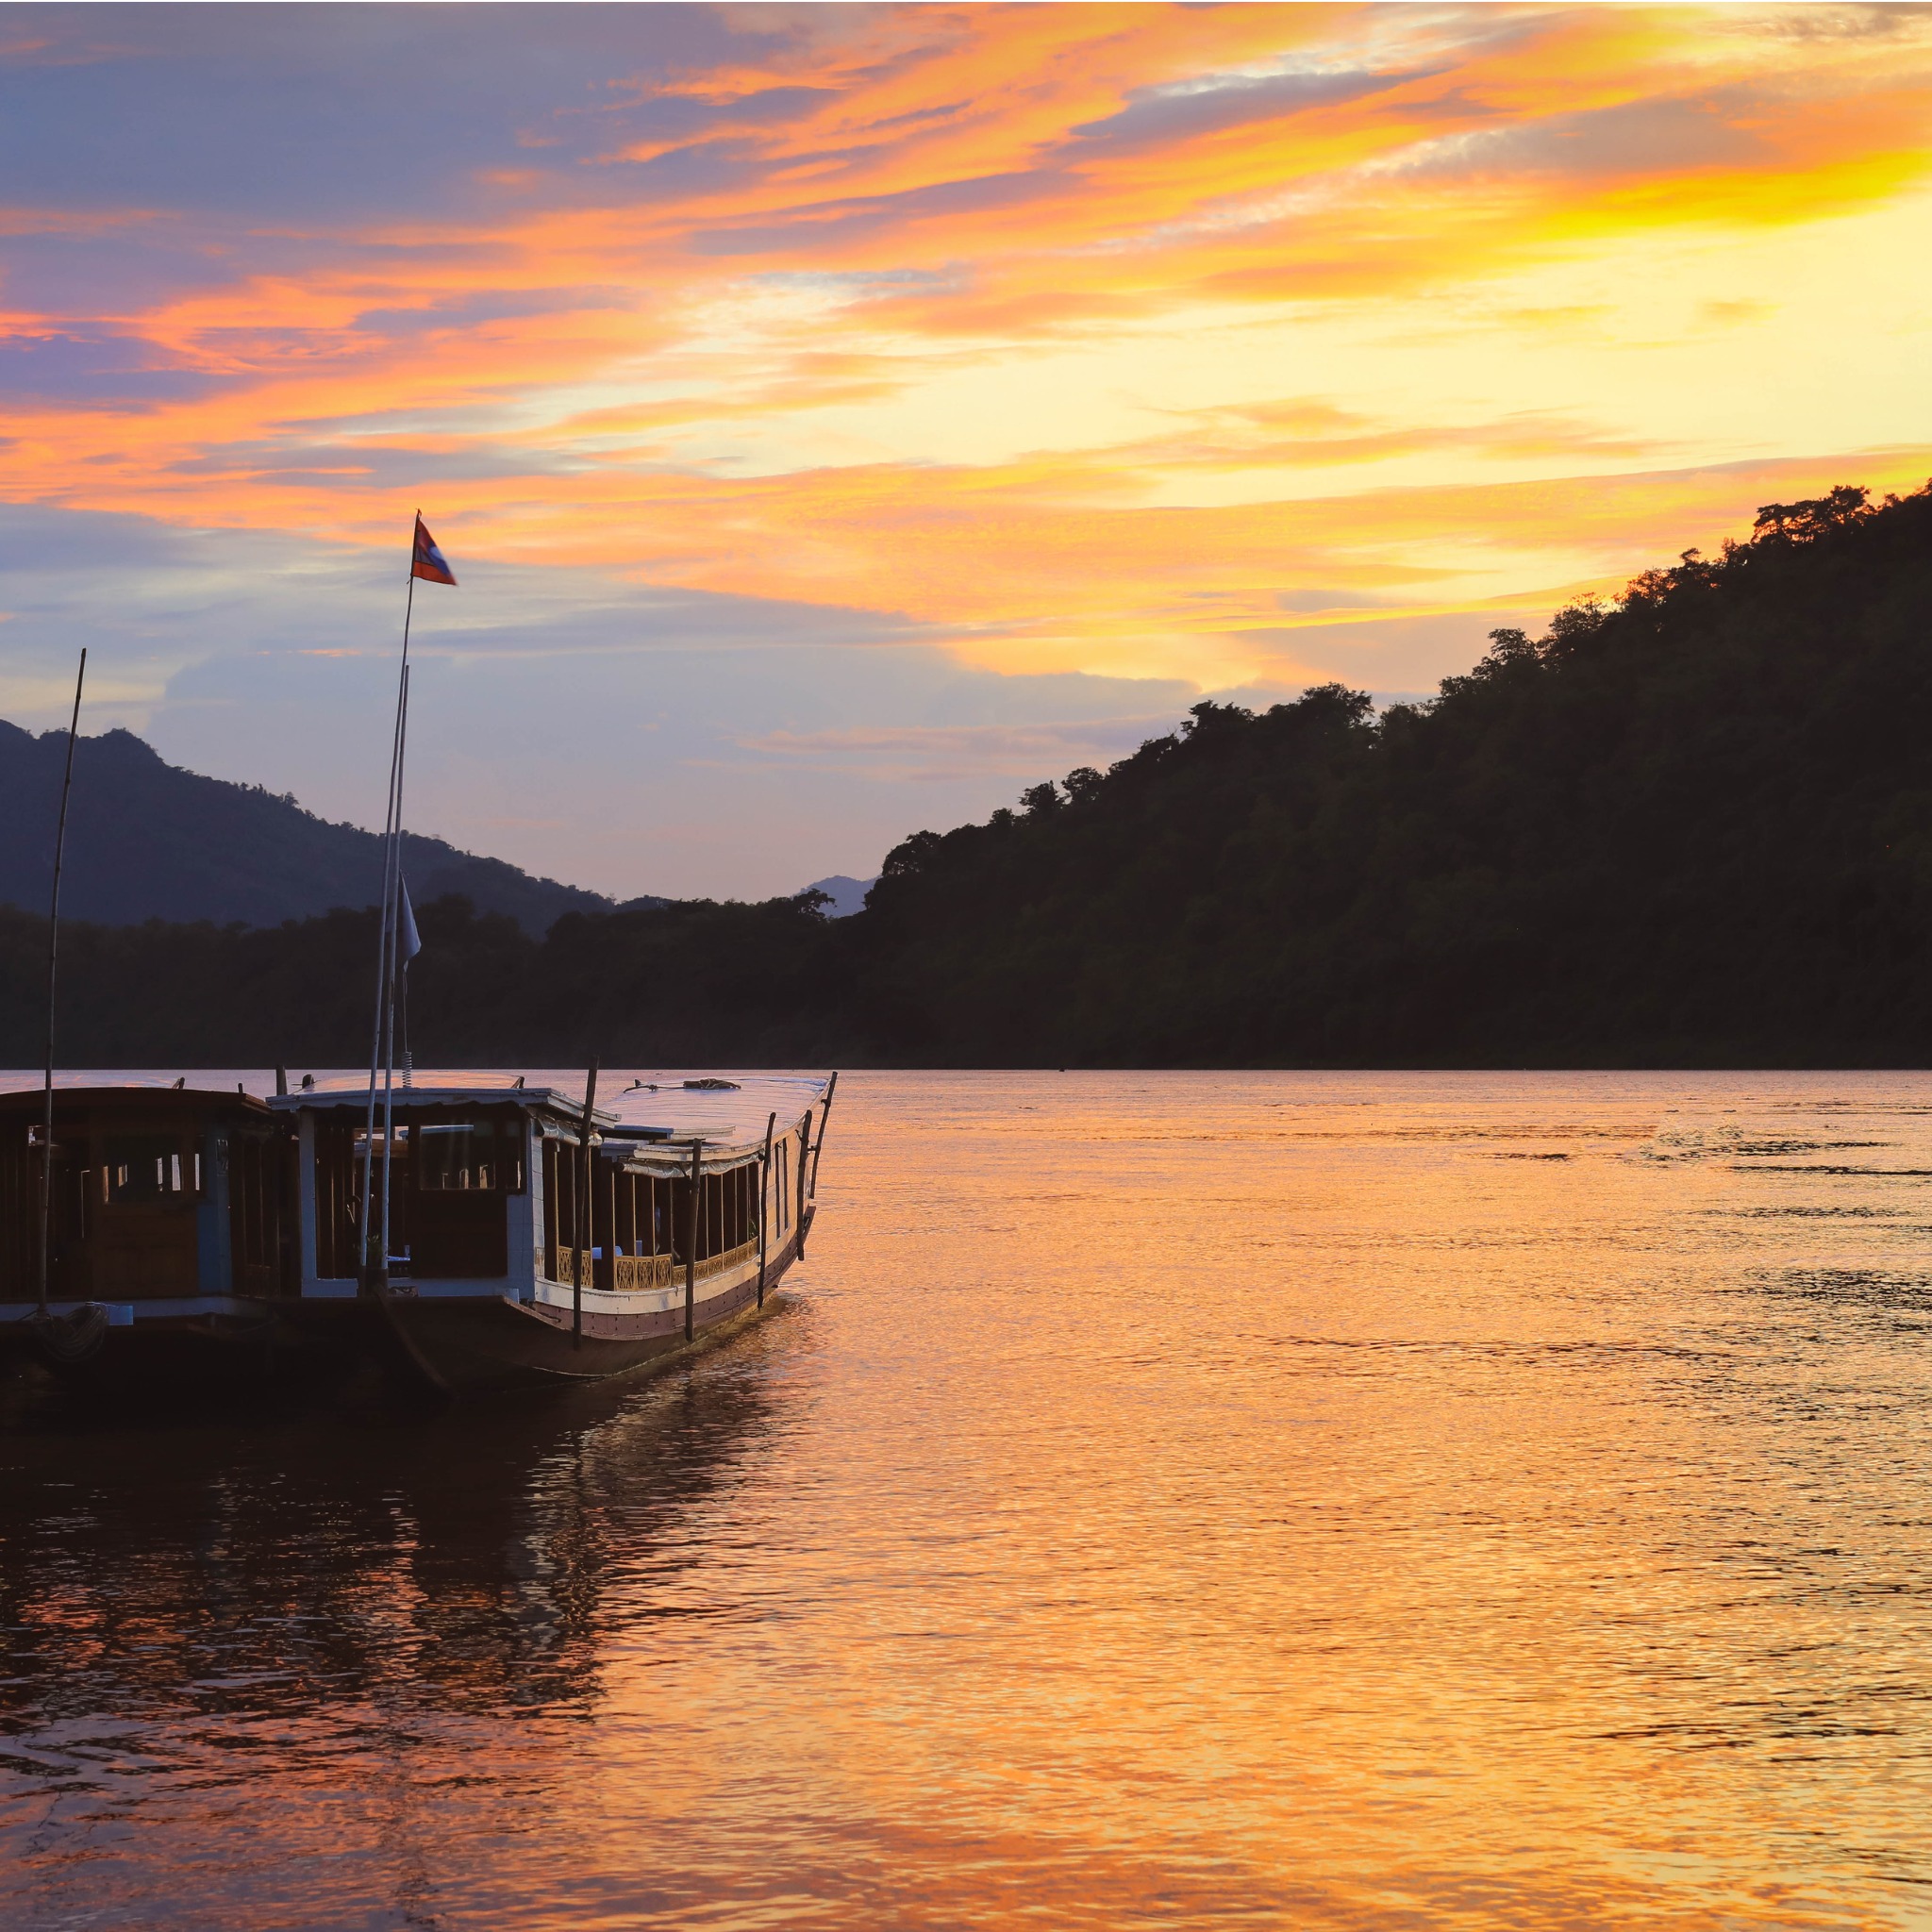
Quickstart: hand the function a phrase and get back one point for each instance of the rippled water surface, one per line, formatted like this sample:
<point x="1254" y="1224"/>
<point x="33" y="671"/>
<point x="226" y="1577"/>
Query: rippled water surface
<point x="1164" y="1500"/>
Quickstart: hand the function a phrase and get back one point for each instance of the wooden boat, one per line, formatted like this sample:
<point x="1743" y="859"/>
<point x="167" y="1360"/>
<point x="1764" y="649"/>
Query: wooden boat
<point x="214" y="1234"/>
<point x="526" y="1249"/>
<point x="170" y="1239"/>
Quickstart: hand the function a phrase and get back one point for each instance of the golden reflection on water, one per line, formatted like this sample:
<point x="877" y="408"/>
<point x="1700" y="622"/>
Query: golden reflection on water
<point x="1168" y="1500"/>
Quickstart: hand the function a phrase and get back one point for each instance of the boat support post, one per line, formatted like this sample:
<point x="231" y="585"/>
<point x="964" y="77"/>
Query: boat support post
<point x="804" y="1169"/>
<point x="764" y="1218"/>
<point x="586" y="1223"/>
<point x="824" y="1115"/>
<point x="53" y="960"/>
<point x="690" y="1240"/>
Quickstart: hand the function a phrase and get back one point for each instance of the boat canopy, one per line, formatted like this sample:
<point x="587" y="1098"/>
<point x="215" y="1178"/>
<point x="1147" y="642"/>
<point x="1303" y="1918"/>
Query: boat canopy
<point x="437" y="1089"/>
<point x="648" y="1128"/>
<point x="657" y="1120"/>
<point x="93" y="1086"/>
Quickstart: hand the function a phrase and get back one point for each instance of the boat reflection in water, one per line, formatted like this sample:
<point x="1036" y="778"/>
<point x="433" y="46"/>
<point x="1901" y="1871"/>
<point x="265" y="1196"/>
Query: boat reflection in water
<point x="366" y="1608"/>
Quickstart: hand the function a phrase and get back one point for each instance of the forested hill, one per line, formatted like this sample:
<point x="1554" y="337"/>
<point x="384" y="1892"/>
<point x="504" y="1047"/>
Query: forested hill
<point x="147" y="840"/>
<point x="1695" y="827"/>
<point x="1692" y="827"/>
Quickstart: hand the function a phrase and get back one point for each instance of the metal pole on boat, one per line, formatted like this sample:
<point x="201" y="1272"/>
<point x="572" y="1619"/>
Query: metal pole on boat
<point x="389" y="1045"/>
<point x="382" y="943"/>
<point x="53" y="965"/>
<point x="586" y="1225"/>
<point x="691" y="1240"/>
<point x="824" y="1115"/>
<point x="764" y="1214"/>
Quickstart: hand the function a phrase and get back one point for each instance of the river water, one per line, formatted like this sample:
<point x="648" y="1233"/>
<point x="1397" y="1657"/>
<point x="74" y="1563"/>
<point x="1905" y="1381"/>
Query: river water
<point x="1163" y="1500"/>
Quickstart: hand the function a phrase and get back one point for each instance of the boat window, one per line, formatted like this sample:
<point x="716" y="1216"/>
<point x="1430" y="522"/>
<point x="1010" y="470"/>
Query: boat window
<point x="461" y="1155"/>
<point x="255" y="1221"/>
<point x="469" y="1157"/>
<point x="338" y="1195"/>
<point x="142" y="1168"/>
<point x="661" y="1239"/>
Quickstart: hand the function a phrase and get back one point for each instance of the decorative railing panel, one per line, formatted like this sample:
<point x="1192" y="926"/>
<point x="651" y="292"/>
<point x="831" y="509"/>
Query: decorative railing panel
<point x="637" y="1273"/>
<point x="719" y="1264"/>
<point x="569" y="1261"/>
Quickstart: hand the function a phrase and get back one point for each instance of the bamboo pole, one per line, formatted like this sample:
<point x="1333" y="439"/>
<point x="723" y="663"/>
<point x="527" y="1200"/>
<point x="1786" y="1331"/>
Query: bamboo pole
<point x="52" y="968"/>
<point x="824" y="1115"/>
<point x="804" y="1166"/>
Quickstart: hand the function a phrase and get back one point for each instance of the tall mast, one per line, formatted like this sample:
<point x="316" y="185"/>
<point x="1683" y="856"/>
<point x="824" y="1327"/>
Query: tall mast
<point x="388" y="1041"/>
<point x="391" y="826"/>
<point x="53" y="965"/>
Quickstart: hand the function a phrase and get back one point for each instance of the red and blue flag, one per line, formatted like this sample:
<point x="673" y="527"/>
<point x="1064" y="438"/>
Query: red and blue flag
<point x="429" y="562"/>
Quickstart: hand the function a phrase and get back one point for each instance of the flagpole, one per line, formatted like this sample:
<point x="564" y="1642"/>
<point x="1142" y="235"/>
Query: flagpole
<point x="389" y="1046"/>
<point x="384" y="942"/>
<point x="376" y="1032"/>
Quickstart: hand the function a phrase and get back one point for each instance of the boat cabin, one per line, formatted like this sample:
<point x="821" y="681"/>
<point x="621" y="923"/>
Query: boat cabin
<point x="163" y="1195"/>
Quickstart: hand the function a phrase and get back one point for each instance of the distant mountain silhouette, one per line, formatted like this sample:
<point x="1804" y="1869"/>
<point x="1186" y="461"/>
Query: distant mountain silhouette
<point x="146" y="839"/>
<point x="846" y="894"/>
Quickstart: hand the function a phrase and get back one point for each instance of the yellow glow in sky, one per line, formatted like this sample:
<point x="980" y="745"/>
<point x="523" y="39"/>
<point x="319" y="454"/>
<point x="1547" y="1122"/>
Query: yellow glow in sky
<point x="1171" y="342"/>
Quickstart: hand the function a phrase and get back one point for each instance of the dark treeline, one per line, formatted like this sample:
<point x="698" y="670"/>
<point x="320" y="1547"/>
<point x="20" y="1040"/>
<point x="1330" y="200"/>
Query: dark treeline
<point x="687" y="982"/>
<point x="1693" y="827"/>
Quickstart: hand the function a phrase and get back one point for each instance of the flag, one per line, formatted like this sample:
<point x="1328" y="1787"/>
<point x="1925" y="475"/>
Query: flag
<point x="430" y="564"/>
<point x="408" y="940"/>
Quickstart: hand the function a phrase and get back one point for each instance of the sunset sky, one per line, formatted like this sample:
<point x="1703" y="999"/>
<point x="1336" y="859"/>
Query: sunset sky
<point x="841" y="417"/>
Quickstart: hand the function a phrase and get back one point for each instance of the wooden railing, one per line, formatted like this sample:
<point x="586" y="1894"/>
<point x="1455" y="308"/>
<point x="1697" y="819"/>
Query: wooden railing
<point x="718" y="1264"/>
<point x="570" y="1262"/>
<point x="636" y="1272"/>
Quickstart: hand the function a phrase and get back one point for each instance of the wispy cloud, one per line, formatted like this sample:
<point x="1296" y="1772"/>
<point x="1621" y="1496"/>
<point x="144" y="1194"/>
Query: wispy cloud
<point x="1111" y="340"/>
<point x="934" y="753"/>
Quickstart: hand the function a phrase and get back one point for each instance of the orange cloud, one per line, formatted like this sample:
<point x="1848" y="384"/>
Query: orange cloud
<point x="657" y="353"/>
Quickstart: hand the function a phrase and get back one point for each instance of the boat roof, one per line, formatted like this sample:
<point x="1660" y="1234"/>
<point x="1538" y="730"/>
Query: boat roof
<point x="642" y="1118"/>
<point x="144" y="1090"/>
<point x="647" y="1121"/>
<point x="438" y="1088"/>
<point x="730" y="1116"/>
